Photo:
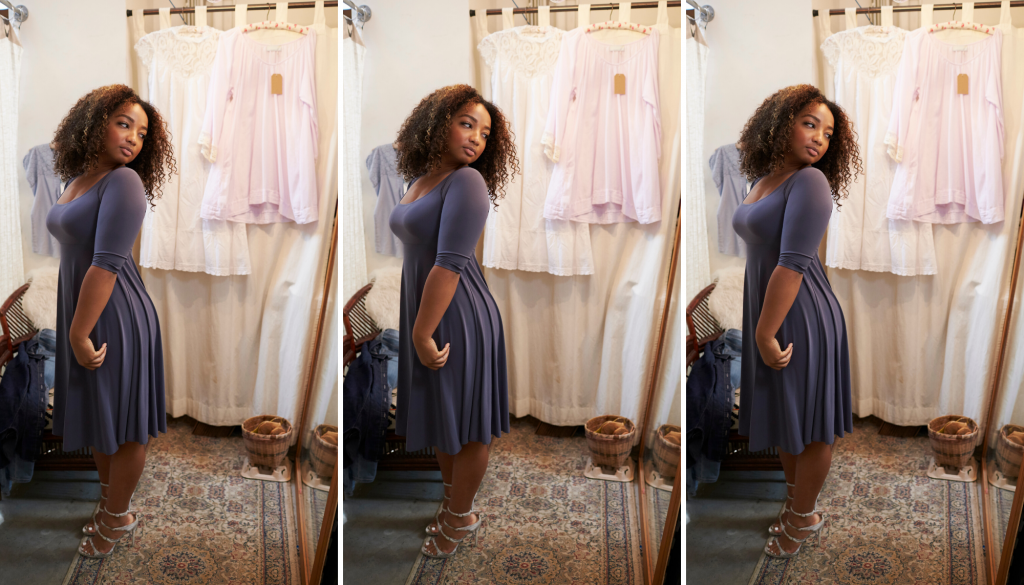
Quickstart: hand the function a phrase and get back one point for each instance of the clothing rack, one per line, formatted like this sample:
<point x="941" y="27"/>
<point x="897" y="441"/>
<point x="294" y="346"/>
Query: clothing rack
<point x="231" y="7"/>
<point x="917" y="8"/>
<point x="574" y="8"/>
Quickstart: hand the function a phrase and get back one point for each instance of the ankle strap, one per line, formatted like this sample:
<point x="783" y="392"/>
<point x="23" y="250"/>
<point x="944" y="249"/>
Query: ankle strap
<point x="104" y="484"/>
<point x="471" y="511"/>
<point x="123" y="514"/>
<point x="808" y="515"/>
<point x="790" y="484"/>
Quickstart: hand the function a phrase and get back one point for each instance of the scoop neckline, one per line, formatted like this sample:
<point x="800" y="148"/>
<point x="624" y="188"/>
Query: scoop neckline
<point x="890" y="32"/>
<point x="263" y="46"/>
<point x="549" y="33"/>
<point x="777" y="189"/>
<point x="206" y="30"/>
<point x="946" y="47"/>
<point x="87" y="191"/>
<point x="425" y="195"/>
<point x="607" y="46"/>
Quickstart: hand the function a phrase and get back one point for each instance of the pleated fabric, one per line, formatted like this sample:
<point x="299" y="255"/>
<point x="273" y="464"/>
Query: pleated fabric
<point x="467" y="399"/>
<point x="122" y="400"/>
<point x="808" y="400"/>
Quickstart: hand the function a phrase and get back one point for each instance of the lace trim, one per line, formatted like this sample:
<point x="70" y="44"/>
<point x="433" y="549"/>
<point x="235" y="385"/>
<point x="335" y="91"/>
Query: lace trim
<point x="855" y="50"/>
<point x="532" y="57"/>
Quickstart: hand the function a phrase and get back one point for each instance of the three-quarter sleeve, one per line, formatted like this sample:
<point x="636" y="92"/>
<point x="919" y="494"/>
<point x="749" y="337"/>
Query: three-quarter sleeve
<point x="808" y="209"/>
<point x="905" y="92"/>
<point x="218" y="95"/>
<point x="463" y="215"/>
<point x="122" y="209"/>
<point x="563" y="92"/>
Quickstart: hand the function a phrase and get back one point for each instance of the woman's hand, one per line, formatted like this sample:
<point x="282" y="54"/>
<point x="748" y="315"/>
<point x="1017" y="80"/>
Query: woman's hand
<point x="426" y="349"/>
<point x="86" y="354"/>
<point x="772" y="353"/>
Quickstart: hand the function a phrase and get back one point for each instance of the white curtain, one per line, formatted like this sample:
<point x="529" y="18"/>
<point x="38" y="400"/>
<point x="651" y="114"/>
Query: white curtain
<point x="698" y="263"/>
<point x="12" y="270"/>
<point x="581" y="346"/>
<point x="239" y="346"/>
<point x="924" y="346"/>
<point x="353" y="237"/>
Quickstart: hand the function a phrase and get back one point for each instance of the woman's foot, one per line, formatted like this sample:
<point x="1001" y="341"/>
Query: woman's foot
<point x="445" y="545"/>
<point x="436" y="524"/>
<point x="98" y="545"/>
<point x="787" y="543"/>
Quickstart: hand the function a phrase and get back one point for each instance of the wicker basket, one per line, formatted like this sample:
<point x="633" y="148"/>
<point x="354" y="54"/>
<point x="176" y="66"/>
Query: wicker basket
<point x="953" y="451"/>
<point x="609" y="450"/>
<point x="266" y="450"/>
<point x="1008" y="454"/>
<point x="666" y="455"/>
<point x="323" y="456"/>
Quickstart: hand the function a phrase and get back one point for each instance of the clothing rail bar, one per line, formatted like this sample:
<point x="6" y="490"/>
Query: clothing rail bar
<point x="917" y="8"/>
<point x="20" y="12"/>
<point x="231" y="7"/>
<point x="574" y="8"/>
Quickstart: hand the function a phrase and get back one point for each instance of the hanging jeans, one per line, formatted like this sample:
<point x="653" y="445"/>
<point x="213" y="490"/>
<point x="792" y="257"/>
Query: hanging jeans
<point x="23" y="396"/>
<point x="367" y="396"/>
<point x="709" y="399"/>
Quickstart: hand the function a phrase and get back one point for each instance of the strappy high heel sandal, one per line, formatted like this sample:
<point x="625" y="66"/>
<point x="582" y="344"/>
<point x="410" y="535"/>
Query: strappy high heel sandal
<point x="771" y="528"/>
<point x="129" y="529"/>
<point x="99" y="506"/>
<point x="437" y="519"/>
<point x="814" y="528"/>
<point x="439" y="554"/>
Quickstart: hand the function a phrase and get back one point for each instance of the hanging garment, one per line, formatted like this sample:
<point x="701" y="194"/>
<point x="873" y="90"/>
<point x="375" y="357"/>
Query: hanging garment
<point x="586" y="344"/>
<point x="390" y="187"/>
<point x="12" y="271"/>
<point x="607" y="146"/>
<point x="949" y="146"/>
<point x="267" y="319"/>
<point x="732" y="187"/>
<point x="480" y="72"/>
<point x="698" y="271"/>
<point x="45" y="186"/>
<point x="174" y="237"/>
<point x="263" y="146"/>
<point x="860" y="236"/>
<point x="353" y="237"/>
<point x="517" y="236"/>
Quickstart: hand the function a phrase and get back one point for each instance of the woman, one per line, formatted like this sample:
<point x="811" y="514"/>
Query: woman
<point x="800" y="151"/>
<point x="458" y="152"/>
<point x="113" y="150"/>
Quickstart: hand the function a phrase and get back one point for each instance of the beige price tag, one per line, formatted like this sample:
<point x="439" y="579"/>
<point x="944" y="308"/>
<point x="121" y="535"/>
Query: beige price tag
<point x="276" y="84"/>
<point x="620" y="84"/>
<point x="961" y="84"/>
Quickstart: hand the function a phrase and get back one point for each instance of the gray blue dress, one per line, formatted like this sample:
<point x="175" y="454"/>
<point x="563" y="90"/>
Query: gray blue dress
<point x="808" y="400"/>
<point x="467" y="399"/>
<point x="122" y="400"/>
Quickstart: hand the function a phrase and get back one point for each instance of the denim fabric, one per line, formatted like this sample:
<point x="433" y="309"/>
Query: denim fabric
<point x="389" y="339"/>
<point x="22" y="403"/>
<point x="365" y="402"/>
<point x="708" y="405"/>
<point x="361" y="471"/>
<point x="734" y="347"/>
<point x="19" y="471"/>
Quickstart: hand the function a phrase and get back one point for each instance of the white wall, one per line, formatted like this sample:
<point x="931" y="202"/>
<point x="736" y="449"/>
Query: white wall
<point x="756" y="48"/>
<point x="56" y="71"/>
<point x="412" y="48"/>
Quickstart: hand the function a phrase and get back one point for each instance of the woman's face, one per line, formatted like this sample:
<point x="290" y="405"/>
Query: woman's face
<point x="812" y="134"/>
<point x="126" y="131"/>
<point x="468" y="134"/>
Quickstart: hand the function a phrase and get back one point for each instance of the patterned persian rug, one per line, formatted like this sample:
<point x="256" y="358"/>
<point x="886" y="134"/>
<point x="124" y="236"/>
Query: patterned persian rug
<point x="544" y="522"/>
<point x="202" y="523"/>
<point x="890" y="524"/>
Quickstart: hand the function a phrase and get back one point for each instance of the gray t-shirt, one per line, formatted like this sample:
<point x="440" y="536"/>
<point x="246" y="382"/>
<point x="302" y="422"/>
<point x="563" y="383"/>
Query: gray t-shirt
<point x="382" y="164"/>
<point x="45" y="185"/>
<point x="732" y="186"/>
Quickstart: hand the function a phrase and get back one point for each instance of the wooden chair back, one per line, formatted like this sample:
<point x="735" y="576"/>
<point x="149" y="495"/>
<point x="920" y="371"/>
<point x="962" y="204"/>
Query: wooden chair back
<point x="701" y="327"/>
<point x="15" y="326"/>
<point x="359" y="326"/>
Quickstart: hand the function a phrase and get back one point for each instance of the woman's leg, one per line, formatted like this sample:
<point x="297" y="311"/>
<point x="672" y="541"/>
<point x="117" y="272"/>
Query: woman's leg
<point x="103" y="468"/>
<point x="468" y="469"/>
<point x="789" y="470"/>
<point x="812" y="467"/>
<point x="445" y="461"/>
<point x="125" y="469"/>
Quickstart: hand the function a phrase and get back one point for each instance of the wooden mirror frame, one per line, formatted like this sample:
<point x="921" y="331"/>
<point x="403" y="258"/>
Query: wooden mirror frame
<point x="656" y="574"/>
<point x="311" y="566"/>
<point x="999" y="577"/>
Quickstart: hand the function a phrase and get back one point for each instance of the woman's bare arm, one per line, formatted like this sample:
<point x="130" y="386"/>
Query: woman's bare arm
<point x="97" y="286"/>
<point x="783" y="287"/>
<point x="438" y="291"/>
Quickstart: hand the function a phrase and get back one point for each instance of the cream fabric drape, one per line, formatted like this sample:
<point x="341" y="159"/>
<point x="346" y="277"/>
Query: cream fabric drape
<point x="698" y="263"/>
<point x="823" y="71"/>
<point x="12" y="269"/>
<point x="238" y="346"/>
<point x="923" y="346"/>
<point x="581" y="346"/>
<point x="353" y="236"/>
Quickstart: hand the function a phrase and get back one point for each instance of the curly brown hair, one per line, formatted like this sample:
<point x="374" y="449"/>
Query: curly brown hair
<point x="766" y="139"/>
<point x="424" y="137"/>
<point x="79" y="139"/>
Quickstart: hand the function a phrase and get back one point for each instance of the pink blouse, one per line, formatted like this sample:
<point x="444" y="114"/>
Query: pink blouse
<point x="263" y="145"/>
<point x="606" y="145"/>
<point x="949" y="146"/>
